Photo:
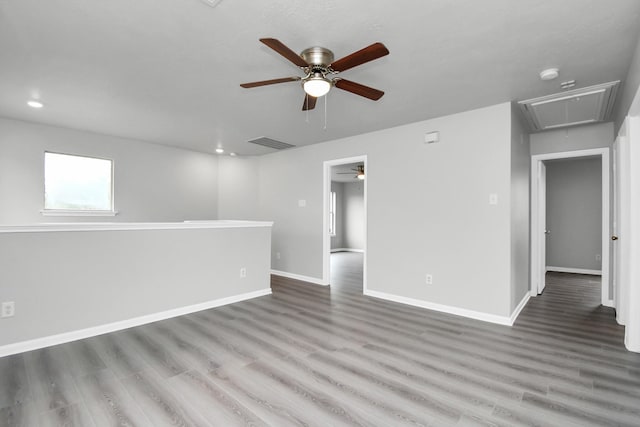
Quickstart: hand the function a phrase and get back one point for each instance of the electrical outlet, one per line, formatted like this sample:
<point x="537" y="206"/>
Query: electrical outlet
<point x="8" y="309"/>
<point x="429" y="279"/>
<point x="243" y="272"/>
<point x="277" y="255"/>
<point x="598" y="257"/>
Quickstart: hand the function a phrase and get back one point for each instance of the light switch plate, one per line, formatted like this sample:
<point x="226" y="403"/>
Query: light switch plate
<point x="302" y="203"/>
<point x="493" y="199"/>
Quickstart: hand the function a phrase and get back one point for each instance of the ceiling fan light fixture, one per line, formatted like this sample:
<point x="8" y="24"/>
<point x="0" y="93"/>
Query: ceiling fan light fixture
<point x="316" y="86"/>
<point x="360" y="175"/>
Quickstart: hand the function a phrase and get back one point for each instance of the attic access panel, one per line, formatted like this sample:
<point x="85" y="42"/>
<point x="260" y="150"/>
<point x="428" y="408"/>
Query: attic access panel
<point x="576" y="107"/>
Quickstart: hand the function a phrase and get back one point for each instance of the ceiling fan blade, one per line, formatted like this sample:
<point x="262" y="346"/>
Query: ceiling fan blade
<point x="367" y="54"/>
<point x="270" y="82"/>
<point x="283" y="50"/>
<point x="358" y="89"/>
<point x="309" y="103"/>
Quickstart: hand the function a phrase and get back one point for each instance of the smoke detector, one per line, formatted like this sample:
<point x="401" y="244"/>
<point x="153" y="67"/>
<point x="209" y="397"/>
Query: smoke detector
<point x="549" y="74"/>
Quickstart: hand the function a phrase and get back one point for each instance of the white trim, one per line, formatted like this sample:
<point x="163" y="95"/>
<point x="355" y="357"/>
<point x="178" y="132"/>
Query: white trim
<point x="295" y="276"/>
<point x="609" y="303"/>
<point x="519" y="307"/>
<point x="121" y="226"/>
<point x="631" y="236"/>
<point x="603" y="153"/>
<point x="477" y="315"/>
<point x="68" y="212"/>
<point x="347" y="250"/>
<point x="326" y="239"/>
<point x="65" y="337"/>
<point x="574" y="270"/>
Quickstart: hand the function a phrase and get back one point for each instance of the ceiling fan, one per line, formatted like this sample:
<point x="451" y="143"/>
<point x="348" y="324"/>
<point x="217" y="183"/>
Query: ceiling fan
<point x="320" y="70"/>
<point x="359" y="172"/>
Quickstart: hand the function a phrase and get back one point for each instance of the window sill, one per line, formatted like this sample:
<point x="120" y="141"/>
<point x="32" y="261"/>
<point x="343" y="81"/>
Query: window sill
<point x="62" y="212"/>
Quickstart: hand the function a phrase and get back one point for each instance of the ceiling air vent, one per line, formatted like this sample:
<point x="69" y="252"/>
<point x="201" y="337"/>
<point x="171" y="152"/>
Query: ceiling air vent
<point x="571" y="108"/>
<point x="271" y="143"/>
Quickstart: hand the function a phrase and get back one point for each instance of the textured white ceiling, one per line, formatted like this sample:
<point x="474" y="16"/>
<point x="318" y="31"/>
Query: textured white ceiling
<point x="168" y="71"/>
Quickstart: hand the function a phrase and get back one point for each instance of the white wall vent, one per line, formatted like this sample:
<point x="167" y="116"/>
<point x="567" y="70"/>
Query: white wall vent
<point x="571" y="108"/>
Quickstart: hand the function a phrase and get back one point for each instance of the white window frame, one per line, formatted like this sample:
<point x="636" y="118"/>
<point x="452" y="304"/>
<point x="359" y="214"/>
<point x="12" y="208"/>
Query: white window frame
<point x="332" y="213"/>
<point x="78" y="212"/>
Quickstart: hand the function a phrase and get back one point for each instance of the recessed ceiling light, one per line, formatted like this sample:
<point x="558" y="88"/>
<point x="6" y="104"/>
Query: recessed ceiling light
<point x="219" y="150"/>
<point x="549" y="74"/>
<point x="232" y="154"/>
<point x="35" y="104"/>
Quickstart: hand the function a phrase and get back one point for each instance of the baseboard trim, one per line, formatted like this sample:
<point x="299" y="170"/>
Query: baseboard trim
<point x="519" y="307"/>
<point x="630" y="343"/>
<point x="65" y="337"/>
<point x="347" y="250"/>
<point x="477" y="315"/>
<point x="575" y="270"/>
<point x="295" y="276"/>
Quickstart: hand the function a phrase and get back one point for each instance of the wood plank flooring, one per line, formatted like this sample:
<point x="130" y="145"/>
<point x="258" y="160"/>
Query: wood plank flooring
<point x="314" y="356"/>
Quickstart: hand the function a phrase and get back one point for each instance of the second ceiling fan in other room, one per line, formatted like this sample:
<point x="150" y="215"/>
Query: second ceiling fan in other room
<point x="320" y="71"/>
<point x="359" y="172"/>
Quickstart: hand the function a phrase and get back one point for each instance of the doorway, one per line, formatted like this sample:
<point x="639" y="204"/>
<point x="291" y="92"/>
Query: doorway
<point x="539" y="229"/>
<point x="345" y="222"/>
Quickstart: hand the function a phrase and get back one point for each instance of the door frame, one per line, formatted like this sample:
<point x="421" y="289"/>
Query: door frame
<point x="326" y="193"/>
<point x="537" y="264"/>
<point x="621" y="223"/>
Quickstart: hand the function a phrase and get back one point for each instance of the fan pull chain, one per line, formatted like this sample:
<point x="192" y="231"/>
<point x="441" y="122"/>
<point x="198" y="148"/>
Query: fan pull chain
<point x="325" y="111"/>
<point x="306" y="104"/>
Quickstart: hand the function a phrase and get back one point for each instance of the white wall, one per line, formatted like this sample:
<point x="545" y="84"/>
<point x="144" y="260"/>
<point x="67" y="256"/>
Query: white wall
<point x="632" y="332"/>
<point x="152" y="182"/>
<point x="428" y="208"/>
<point x="353" y="211"/>
<point x="574" y="213"/>
<point x="628" y="89"/>
<point x="238" y="179"/>
<point x="598" y="135"/>
<point x="65" y="282"/>
<point x="520" y="213"/>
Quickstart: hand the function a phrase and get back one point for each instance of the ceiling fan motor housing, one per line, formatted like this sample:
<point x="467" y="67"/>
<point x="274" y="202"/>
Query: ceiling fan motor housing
<point x="317" y="56"/>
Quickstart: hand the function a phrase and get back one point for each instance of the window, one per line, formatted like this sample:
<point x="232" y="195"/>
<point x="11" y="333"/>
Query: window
<point x="332" y="214"/>
<point x="77" y="185"/>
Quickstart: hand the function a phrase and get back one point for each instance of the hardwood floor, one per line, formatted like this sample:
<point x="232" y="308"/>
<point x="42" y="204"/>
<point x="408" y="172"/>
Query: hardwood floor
<point x="309" y="355"/>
